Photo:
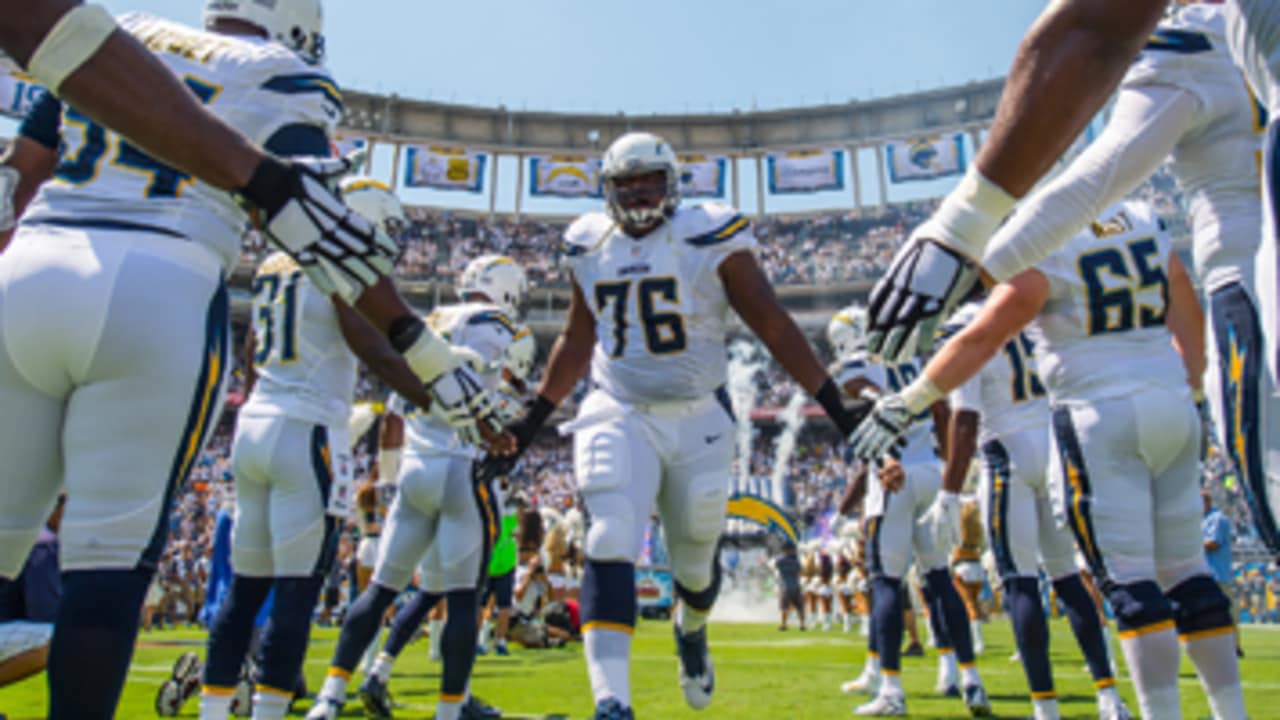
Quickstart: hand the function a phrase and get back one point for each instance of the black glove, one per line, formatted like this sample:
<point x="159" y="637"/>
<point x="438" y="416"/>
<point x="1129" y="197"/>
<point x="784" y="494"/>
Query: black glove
<point x="340" y="251"/>
<point x="525" y="430"/>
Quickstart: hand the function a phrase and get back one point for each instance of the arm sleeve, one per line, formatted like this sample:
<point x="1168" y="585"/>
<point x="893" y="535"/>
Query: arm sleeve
<point x="1146" y="123"/>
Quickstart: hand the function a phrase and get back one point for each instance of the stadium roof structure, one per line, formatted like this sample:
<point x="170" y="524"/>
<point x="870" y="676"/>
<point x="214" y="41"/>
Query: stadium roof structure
<point x="392" y="119"/>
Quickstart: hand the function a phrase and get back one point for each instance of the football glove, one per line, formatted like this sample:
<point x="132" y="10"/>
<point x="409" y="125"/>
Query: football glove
<point x="923" y="285"/>
<point x="525" y="429"/>
<point x="458" y="396"/>
<point x="942" y="520"/>
<point x="880" y="432"/>
<point x="340" y="251"/>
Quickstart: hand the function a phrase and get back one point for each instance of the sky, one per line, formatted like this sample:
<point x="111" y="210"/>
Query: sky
<point x="666" y="56"/>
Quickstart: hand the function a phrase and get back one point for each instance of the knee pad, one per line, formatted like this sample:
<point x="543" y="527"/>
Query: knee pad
<point x="608" y="595"/>
<point x="1139" y="606"/>
<point x="1200" y="607"/>
<point x="611" y="533"/>
<point x="705" y="598"/>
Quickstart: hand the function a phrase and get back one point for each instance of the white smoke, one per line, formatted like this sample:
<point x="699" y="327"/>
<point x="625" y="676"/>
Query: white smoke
<point x="792" y="420"/>
<point x="744" y="362"/>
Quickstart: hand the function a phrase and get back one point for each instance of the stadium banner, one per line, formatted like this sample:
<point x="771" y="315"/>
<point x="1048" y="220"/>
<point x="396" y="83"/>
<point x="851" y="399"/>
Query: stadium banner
<point x="806" y="171"/>
<point x="702" y="176"/>
<point x="445" y="168"/>
<point x="18" y="92"/>
<point x="564" y="176"/>
<point x="925" y="158"/>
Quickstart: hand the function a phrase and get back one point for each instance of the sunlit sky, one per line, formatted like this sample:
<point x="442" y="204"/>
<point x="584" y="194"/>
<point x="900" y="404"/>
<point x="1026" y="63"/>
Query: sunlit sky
<point x="657" y="56"/>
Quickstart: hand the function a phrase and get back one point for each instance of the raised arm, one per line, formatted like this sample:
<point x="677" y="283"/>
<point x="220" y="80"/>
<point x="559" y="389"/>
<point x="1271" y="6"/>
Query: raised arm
<point x="1185" y="320"/>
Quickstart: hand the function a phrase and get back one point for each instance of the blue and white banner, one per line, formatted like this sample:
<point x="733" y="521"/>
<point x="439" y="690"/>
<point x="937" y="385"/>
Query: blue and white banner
<point x="702" y="176"/>
<point x="806" y="171"/>
<point x="926" y="158"/>
<point x="564" y="176"/>
<point x="18" y="92"/>
<point x="445" y="168"/>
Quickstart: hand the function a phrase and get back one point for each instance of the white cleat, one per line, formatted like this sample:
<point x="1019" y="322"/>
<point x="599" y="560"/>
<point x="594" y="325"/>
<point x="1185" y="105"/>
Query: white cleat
<point x="868" y="683"/>
<point x="324" y="709"/>
<point x="1112" y="707"/>
<point x="697" y="675"/>
<point x="885" y="705"/>
<point x="975" y="698"/>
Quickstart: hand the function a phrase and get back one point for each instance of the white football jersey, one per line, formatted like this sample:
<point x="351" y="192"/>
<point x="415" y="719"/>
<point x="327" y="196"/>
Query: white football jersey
<point x="661" y="314"/>
<point x="919" y="447"/>
<point x="305" y="368"/>
<point x="255" y="85"/>
<point x="482" y="328"/>
<point x="1217" y="159"/>
<point x="1253" y="33"/>
<point x="18" y="91"/>
<point x="1102" y="330"/>
<point x="1006" y="392"/>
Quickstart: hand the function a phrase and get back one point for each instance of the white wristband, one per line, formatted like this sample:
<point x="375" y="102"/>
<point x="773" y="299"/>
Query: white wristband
<point x="71" y="42"/>
<point x="969" y="216"/>
<point x="920" y="394"/>
<point x="430" y="356"/>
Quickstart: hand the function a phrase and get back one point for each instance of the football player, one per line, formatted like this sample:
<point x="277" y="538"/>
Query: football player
<point x="894" y="539"/>
<point x="517" y="366"/>
<point x="1126" y="445"/>
<point x="652" y="286"/>
<point x="80" y="53"/>
<point x="1183" y="100"/>
<point x="292" y="461"/>
<point x="1003" y="410"/>
<point x="442" y="516"/>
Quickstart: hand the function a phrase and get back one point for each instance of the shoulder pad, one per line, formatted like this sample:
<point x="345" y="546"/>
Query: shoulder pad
<point x="493" y="316"/>
<point x="709" y="224"/>
<point x="294" y="77"/>
<point x="585" y="234"/>
<point x="276" y="262"/>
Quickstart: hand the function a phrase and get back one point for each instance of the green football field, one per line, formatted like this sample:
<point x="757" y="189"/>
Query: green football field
<point x="760" y="673"/>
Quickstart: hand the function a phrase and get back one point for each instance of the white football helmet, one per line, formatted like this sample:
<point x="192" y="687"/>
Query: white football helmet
<point x="498" y="278"/>
<point x="847" y="331"/>
<point x="376" y="202"/>
<point x="520" y="354"/>
<point x="296" y="24"/>
<point x="637" y="153"/>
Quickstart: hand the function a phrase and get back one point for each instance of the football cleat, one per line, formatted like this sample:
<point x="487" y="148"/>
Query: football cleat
<point x="884" y="705"/>
<point x="975" y="698"/>
<point x="183" y="682"/>
<point x="324" y="709"/>
<point x="168" y="699"/>
<point x="612" y="709"/>
<point x="868" y="683"/>
<point x="500" y="648"/>
<point x="697" y="676"/>
<point x="376" y="697"/>
<point x="476" y="709"/>
<point x="1112" y="707"/>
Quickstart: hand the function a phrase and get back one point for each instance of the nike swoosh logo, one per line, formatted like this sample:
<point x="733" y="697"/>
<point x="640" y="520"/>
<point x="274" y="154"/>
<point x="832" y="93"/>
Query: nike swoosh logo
<point x="711" y="439"/>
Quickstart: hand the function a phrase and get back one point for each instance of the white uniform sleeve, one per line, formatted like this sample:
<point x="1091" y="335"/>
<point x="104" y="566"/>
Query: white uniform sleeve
<point x="1146" y="124"/>
<point x="488" y="335"/>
